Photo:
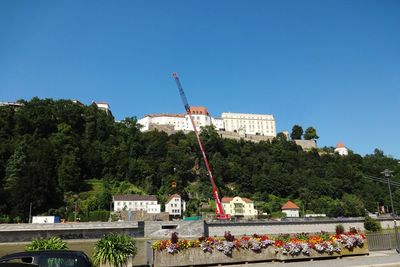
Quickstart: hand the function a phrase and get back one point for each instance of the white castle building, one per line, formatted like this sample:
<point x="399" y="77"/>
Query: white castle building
<point x="256" y="124"/>
<point x="242" y="123"/>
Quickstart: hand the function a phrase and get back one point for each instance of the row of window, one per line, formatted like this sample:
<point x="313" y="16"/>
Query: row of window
<point x="135" y="203"/>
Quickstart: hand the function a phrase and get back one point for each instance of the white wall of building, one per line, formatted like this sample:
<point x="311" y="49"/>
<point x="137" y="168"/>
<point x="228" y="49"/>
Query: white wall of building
<point x="249" y="123"/>
<point x="199" y="120"/>
<point x="153" y="208"/>
<point x="244" y="123"/>
<point x="175" y="206"/>
<point x="218" y="123"/>
<point x="137" y="206"/>
<point x="342" y="151"/>
<point x="291" y="212"/>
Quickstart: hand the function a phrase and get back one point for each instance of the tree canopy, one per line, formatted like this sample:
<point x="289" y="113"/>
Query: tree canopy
<point x="50" y="150"/>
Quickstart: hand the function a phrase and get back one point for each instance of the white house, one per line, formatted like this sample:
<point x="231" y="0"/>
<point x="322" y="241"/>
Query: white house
<point x="239" y="207"/>
<point x="291" y="209"/>
<point x="341" y="149"/>
<point x="175" y="205"/>
<point x="146" y="203"/>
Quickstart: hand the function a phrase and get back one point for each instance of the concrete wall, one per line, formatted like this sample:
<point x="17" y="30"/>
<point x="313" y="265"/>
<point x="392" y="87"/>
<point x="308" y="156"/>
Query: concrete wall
<point x="93" y="230"/>
<point x="249" y="228"/>
<point x="164" y="229"/>
<point x="183" y="228"/>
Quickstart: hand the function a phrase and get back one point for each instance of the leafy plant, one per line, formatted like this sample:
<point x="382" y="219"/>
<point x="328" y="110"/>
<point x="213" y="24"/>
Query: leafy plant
<point x="174" y="238"/>
<point x="283" y="237"/>
<point x="229" y="237"/>
<point x="114" y="249"/>
<point x="52" y="243"/>
<point x="372" y="225"/>
<point x="339" y="229"/>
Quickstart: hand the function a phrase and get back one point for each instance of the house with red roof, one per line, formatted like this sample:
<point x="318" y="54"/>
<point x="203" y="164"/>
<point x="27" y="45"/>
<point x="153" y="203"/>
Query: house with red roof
<point x="239" y="207"/>
<point x="290" y="209"/>
<point x="341" y="149"/>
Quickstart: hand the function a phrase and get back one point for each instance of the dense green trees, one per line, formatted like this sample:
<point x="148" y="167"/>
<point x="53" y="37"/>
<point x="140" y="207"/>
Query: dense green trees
<point x="310" y="134"/>
<point x="297" y="132"/>
<point x="50" y="150"/>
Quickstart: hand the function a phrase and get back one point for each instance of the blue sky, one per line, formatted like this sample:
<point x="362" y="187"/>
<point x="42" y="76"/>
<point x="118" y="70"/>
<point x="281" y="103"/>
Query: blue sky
<point x="333" y="65"/>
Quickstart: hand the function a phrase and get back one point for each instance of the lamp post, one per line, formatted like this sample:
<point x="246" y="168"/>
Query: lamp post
<point x="388" y="173"/>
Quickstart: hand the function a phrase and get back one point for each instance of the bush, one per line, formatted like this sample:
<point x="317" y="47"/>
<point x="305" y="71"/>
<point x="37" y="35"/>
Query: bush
<point x="96" y="216"/>
<point x="372" y="224"/>
<point x="339" y="229"/>
<point x="114" y="249"/>
<point x="5" y="219"/>
<point x="53" y="243"/>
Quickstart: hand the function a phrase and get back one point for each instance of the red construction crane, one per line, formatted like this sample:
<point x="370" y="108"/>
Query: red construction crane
<point x="221" y="215"/>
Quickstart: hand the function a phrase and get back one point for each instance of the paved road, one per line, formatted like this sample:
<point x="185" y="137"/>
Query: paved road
<point x="381" y="258"/>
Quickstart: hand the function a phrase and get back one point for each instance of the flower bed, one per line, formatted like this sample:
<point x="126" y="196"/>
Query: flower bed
<point x="228" y="249"/>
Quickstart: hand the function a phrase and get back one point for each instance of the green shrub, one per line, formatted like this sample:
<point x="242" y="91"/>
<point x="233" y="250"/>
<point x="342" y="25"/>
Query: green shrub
<point x="372" y="224"/>
<point x="95" y="216"/>
<point x="114" y="249"/>
<point x="339" y="229"/>
<point x="5" y="219"/>
<point x="52" y="243"/>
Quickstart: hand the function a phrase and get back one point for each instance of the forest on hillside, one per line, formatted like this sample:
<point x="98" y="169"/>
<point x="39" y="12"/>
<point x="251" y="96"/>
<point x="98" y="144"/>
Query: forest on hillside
<point x="54" y="152"/>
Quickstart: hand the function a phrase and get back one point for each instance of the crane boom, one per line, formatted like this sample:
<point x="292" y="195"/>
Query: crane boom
<point x="219" y="209"/>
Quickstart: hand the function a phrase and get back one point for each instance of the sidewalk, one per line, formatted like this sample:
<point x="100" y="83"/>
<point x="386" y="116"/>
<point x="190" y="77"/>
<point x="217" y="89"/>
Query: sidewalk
<point x="376" y="258"/>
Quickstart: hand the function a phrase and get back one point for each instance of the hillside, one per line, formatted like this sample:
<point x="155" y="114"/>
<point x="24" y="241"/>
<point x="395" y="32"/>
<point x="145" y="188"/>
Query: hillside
<point x="54" y="153"/>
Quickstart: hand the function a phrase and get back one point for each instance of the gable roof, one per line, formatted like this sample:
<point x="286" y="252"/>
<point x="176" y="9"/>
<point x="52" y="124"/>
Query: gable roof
<point x="229" y="199"/>
<point x="173" y="196"/>
<point x="290" y="206"/>
<point x="134" y="198"/>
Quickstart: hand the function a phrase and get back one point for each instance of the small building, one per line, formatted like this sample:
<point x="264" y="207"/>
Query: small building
<point x="341" y="149"/>
<point x="291" y="209"/>
<point x="175" y="205"/>
<point x="147" y="203"/>
<point x="239" y="207"/>
<point x="11" y="104"/>
<point x="103" y="106"/>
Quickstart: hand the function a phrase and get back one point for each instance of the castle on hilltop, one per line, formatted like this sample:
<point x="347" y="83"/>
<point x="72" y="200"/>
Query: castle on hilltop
<point x="241" y="124"/>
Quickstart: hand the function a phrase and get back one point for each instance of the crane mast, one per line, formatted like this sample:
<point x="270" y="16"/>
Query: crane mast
<point x="219" y="209"/>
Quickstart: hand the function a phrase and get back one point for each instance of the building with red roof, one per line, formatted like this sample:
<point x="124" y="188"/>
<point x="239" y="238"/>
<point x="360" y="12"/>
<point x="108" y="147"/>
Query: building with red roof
<point x="341" y="149"/>
<point x="290" y="209"/>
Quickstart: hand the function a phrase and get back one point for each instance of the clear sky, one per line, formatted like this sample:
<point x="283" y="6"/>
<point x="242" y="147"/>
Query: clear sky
<point x="333" y="65"/>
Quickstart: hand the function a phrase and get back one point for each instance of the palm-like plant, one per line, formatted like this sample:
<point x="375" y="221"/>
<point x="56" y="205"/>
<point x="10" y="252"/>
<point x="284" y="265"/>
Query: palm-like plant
<point x="114" y="249"/>
<point x="53" y="243"/>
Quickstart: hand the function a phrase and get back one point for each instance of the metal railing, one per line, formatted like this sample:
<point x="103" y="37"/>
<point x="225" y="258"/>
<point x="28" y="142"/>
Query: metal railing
<point x="381" y="241"/>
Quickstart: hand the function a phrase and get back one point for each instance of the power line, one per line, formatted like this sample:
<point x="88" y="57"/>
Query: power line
<point x="381" y="180"/>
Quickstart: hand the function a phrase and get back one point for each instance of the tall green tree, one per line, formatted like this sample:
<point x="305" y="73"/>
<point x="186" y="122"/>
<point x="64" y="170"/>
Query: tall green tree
<point x="310" y="134"/>
<point x="297" y="132"/>
<point x="69" y="174"/>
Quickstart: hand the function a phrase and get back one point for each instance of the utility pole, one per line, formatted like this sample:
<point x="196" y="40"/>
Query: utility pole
<point x="30" y="212"/>
<point x="388" y="173"/>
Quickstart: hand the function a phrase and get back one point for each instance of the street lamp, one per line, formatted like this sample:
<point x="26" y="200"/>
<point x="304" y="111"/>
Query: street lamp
<point x="388" y="174"/>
